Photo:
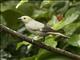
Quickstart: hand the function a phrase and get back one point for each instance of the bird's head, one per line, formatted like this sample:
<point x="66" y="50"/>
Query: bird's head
<point x="25" y="19"/>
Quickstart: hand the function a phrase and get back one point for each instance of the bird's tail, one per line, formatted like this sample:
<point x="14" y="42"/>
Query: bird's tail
<point x="57" y="33"/>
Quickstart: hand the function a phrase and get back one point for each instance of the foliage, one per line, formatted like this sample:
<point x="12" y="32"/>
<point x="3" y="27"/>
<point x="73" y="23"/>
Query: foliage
<point x="63" y="16"/>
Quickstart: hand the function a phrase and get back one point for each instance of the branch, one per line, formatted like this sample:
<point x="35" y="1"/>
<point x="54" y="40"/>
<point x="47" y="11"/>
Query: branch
<point x="39" y="44"/>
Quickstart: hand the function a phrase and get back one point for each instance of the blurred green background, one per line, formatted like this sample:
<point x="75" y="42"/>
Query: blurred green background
<point x="61" y="15"/>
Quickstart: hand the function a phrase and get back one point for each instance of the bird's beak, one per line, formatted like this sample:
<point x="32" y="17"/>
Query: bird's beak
<point x="19" y="18"/>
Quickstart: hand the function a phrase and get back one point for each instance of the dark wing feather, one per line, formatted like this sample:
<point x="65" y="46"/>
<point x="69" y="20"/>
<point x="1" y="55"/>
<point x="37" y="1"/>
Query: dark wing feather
<point x="48" y="29"/>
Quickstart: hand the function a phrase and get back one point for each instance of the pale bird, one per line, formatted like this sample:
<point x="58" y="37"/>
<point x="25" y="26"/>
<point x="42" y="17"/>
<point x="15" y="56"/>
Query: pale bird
<point x="37" y="27"/>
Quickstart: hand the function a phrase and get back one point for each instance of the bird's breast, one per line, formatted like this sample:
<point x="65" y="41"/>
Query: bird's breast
<point x="34" y="25"/>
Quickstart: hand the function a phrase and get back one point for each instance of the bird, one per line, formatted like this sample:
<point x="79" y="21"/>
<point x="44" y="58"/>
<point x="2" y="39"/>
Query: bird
<point x="37" y="27"/>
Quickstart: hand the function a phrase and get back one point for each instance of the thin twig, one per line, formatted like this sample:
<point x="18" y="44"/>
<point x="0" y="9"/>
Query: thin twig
<point x="39" y="44"/>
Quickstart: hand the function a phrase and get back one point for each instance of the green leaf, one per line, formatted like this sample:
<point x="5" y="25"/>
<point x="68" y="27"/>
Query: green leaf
<point x="53" y="21"/>
<point x="71" y="28"/>
<point x="46" y="3"/>
<point x="21" y="2"/>
<point x="67" y="20"/>
<point x="7" y="5"/>
<point x="21" y="43"/>
<point x="71" y="10"/>
<point x="59" y="6"/>
<point x="26" y="9"/>
<point x="28" y="58"/>
<point x="40" y="13"/>
<point x="50" y="41"/>
<point x="75" y="40"/>
<point x="11" y="18"/>
<point x="2" y="20"/>
<point x="46" y="55"/>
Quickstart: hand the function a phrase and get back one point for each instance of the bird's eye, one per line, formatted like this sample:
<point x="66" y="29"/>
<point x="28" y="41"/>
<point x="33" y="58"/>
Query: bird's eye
<point x="24" y="18"/>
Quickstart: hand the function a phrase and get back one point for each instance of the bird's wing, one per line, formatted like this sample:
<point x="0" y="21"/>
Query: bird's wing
<point x="35" y="25"/>
<point x="47" y="28"/>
